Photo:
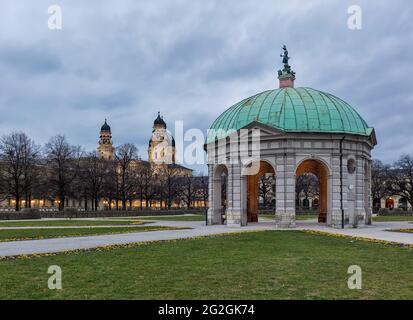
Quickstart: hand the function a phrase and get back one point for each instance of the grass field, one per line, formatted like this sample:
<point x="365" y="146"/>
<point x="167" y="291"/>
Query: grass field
<point x="298" y="217"/>
<point x="175" y="218"/>
<point x="392" y="218"/>
<point x="133" y="220"/>
<point x="31" y="234"/>
<point x="259" y="265"/>
<point x="67" y="222"/>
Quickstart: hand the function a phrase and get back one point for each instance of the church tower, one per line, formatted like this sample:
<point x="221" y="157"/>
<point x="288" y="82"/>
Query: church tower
<point x="162" y="144"/>
<point x="105" y="148"/>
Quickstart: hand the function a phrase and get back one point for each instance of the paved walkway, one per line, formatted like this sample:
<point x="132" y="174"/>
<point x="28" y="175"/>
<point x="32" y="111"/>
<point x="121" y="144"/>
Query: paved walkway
<point x="65" y="244"/>
<point x="376" y="231"/>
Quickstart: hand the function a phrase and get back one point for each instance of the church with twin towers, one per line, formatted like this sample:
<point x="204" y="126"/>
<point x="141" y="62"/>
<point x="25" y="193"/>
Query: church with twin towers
<point x="161" y="155"/>
<point x="161" y="147"/>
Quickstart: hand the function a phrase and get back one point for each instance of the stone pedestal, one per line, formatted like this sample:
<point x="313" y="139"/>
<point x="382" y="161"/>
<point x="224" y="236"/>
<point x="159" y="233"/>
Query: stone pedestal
<point x="285" y="220"/>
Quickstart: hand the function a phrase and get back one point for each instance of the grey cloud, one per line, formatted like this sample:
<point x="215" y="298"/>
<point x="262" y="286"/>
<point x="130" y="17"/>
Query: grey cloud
<point x="28" y="60"/>
<point x="193" y="59"/>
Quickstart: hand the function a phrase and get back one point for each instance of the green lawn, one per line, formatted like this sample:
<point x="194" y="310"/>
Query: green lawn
<point x="30" y="234"/>
<point x="298" y="217"/>
<point x="393" y="218"/>
<point x="176" y="218"/>
<point x="259" y="265"/>
<point x="66" y="222"/>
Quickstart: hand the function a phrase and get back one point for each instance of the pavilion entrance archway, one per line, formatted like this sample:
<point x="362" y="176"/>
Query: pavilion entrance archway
<point x="320" y="170"/>
<point x="253" y="189"/>
<point x="389" y="203"/>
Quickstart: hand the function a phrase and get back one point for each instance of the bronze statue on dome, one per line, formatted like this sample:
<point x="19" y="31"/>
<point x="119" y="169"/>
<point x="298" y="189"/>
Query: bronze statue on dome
<point x="285" y="56"/>
<point x="287" y="67"/>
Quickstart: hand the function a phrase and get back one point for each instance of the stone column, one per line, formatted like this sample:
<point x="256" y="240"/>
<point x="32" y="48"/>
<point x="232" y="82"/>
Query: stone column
<point x="212" y="201"/>
<point x="243" y="200"/>
<point x="336" y="215"/>
<point x="362" y="208"/>
<point x="367" y="191"/>
<point x="358" y="189"/>
<point x="234" y="210"/>
<point x="329" y="199"/>
<point x="285" y="192"/>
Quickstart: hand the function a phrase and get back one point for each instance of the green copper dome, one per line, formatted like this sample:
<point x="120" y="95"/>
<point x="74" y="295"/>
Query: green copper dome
<point x="292" y="110"/>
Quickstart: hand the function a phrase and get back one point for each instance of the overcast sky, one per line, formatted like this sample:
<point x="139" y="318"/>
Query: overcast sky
<point x="127" y="60"/>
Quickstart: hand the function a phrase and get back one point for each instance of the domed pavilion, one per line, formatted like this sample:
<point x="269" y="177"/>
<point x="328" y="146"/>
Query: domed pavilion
<point x="285" y="133"/>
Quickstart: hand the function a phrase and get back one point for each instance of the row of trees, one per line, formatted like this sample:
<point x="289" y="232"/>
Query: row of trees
<point x="390" y="180"/>
<point x="60" y="171"/>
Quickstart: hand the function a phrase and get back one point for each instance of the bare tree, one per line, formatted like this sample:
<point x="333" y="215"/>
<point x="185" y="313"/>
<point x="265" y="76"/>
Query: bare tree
<point x="167" y="176"/>
<point x="92" y="176"/>
<point x="40" y="188"/>
<point x="380" y="178"/>
<point x="111" y="184"/>
<point x="18" y="156"/>
<point x="32" y="177"/>
<point x="63" y="162"/>
<point x="146" y="185"/>
<point x="187" y="189"/>
<point x="126" y="160"/>
<point x="203" y="189"/>
<point x="401" y="178"/>
<point x="266" y="189"/>
<point x="196" y="186"/>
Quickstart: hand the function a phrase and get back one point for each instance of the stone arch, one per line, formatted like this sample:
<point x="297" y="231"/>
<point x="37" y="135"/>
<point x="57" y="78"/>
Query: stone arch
<point x="220" y="194"/>
<point x="318" y="159"/>
<point x="321" y="170"/>
<point x="265" y="166"/>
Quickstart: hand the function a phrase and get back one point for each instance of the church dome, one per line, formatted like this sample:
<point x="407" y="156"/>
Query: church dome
<point x="159" y="121"/>
<point x="292" y="110"/>
<point x="105" y="127"/>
